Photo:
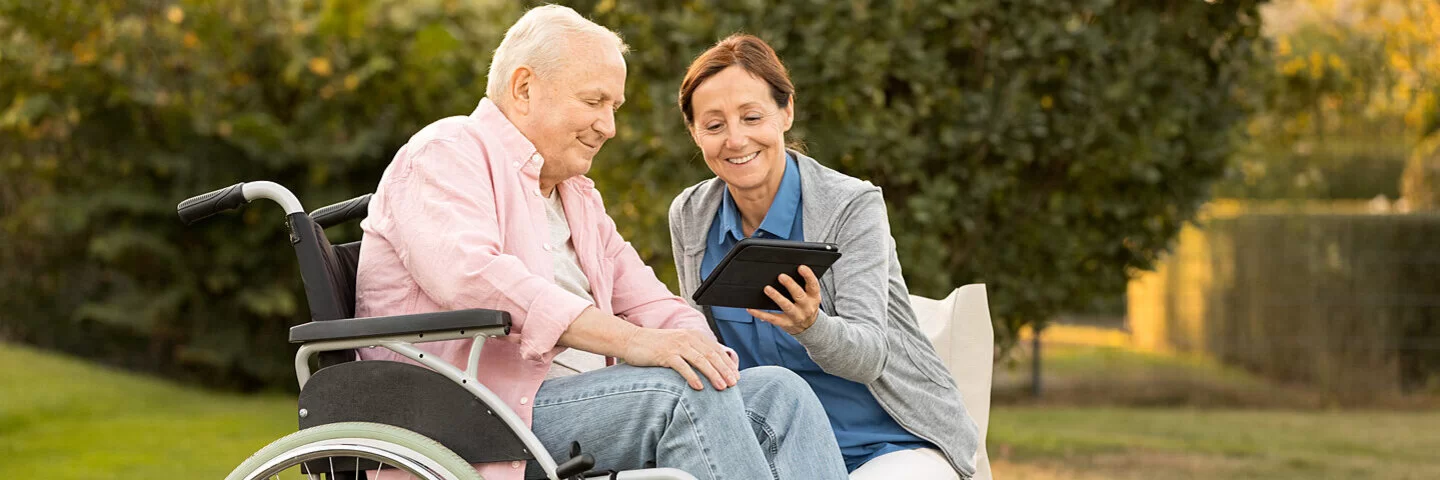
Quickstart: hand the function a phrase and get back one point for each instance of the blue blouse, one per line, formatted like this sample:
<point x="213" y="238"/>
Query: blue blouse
<point x="862" y="428"/>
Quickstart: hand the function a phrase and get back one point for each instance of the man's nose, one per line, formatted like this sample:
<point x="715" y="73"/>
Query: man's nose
<point x="606" y="124"/>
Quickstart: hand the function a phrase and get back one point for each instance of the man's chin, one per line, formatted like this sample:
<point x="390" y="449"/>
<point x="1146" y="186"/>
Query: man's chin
<point x="582" y="165"/>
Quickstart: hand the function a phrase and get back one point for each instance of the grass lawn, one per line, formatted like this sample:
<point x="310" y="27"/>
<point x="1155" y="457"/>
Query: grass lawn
<point x="67" y="419"/>
<point x="1084" y="443"/>
<point x="62" y="418"/>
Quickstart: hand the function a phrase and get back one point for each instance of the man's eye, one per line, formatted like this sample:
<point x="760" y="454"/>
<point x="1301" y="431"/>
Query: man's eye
<point x="752" y="119"/>
<point x="593" y="103"/>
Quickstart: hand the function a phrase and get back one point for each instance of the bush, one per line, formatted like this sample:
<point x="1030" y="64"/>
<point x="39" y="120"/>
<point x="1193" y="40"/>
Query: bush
<point x="114" y="111"/>
<point x="1042" y="147"/>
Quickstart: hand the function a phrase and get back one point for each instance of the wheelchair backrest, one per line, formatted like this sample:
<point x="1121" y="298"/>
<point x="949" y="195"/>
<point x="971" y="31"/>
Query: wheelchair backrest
<point x="328" y="271"/>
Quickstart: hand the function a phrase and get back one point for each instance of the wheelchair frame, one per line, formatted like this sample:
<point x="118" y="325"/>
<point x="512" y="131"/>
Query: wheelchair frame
<point x="336" y="331"/>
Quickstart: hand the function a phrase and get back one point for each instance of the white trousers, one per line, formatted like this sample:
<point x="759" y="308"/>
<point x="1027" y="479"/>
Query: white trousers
<point x="918" y="464"/>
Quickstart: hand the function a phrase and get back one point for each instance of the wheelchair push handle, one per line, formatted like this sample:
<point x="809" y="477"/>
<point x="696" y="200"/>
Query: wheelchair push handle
<point x="342" y="212"/>
<point x="203" y="206"/>
<point x="200" y="207"/>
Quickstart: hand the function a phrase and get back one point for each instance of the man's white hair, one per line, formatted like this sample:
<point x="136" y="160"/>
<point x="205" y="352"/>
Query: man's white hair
<point x="540" y="39"/>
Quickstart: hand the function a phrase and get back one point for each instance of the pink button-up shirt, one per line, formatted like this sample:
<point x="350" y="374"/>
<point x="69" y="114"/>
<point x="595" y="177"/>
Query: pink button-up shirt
<point x="458" y="222"/>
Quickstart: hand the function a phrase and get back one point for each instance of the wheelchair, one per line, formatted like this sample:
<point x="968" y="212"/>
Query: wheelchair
<point x="376" y="419"/>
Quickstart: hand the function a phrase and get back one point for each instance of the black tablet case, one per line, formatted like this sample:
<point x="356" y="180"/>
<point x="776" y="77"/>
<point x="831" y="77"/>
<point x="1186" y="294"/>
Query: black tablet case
<point x="740" y="278"/>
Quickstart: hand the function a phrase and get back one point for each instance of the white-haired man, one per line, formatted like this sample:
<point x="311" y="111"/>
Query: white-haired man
<point x="492" y="210"/>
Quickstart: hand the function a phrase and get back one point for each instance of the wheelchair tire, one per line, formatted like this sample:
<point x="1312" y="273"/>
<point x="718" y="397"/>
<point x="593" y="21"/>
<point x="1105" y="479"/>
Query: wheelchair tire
<point x="396" y="447"/>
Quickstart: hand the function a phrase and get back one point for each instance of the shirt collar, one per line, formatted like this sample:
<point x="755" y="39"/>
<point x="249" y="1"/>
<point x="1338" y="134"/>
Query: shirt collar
<point x="518" y="150"/>
<point x="783" y="209"/>
<point x="491" y="120"/>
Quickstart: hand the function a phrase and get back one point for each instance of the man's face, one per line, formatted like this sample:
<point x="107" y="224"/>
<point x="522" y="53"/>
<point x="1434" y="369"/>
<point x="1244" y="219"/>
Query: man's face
<point x="570" y="112"/>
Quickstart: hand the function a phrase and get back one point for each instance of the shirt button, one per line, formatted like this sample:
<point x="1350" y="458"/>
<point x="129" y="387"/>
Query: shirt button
<point x="547" y="248"/>
<point x="515" y="164"/>
<point x="537" y="193"/>
<point x="515" y="464"/>
<point x="524" y="400"/>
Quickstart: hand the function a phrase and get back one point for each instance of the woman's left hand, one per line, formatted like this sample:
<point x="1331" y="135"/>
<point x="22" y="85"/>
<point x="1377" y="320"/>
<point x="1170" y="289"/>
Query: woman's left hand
<point x="799" y="314"/>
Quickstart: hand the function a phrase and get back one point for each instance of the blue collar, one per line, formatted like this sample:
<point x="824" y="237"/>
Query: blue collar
<point x="778" y="220"/>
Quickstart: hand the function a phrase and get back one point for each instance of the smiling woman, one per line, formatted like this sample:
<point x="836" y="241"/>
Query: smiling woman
<point x="747" y="105"/>
<point x="850" y="334"/>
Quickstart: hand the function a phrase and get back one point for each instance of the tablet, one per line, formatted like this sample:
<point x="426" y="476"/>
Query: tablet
<point x="740" y="278"/>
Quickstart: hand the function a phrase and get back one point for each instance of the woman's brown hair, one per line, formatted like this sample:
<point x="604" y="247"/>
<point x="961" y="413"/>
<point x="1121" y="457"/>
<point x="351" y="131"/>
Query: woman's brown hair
<point x="751" y="54"/>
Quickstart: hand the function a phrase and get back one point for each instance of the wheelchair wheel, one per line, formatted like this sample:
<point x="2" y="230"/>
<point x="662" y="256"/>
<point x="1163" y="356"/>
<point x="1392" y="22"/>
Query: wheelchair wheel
<point x="339" y="450"/>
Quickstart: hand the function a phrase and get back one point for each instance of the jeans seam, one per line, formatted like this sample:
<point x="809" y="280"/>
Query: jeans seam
<point x="611" y="393"/>
<point x="700" y="437"/>
<point x="774" y="444"/>
<point x="661" y="389"/>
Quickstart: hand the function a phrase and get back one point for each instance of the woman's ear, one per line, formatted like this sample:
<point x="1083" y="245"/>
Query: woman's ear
<point x="789" y="113"/>
<point x="521" y="84"/>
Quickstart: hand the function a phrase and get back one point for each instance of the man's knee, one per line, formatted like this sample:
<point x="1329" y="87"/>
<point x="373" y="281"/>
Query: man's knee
<point x="670" y="380"/>
<point x="777" y="384"/>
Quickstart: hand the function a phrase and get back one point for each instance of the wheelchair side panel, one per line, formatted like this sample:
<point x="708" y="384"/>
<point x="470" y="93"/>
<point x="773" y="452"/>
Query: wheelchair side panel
<point x="414" y="398"/>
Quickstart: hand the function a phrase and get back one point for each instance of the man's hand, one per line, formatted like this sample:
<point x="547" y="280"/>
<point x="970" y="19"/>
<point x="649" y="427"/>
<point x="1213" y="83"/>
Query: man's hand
<point x="680" y="350"/>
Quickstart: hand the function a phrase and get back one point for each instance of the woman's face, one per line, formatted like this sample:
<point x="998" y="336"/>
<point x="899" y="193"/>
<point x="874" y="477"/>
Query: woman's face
<point x="740" y="130"/>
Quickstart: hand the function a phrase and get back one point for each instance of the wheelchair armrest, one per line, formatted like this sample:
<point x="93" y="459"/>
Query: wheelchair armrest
<point x="350" y="328"/>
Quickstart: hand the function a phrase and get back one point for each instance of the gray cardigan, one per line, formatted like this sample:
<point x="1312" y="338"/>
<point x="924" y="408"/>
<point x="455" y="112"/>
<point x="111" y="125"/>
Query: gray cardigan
<point x="866" y="330"/>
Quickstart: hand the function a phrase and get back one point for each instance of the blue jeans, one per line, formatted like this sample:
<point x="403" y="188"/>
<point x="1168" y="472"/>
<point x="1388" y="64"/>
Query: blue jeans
<point x="769" y="426"/>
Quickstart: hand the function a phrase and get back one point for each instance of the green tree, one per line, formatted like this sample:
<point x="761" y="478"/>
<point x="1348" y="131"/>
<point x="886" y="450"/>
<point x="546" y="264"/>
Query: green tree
<point x="1350" y="94"/>
<point x="1041" y="147"/>
<point x="112" y="111"/>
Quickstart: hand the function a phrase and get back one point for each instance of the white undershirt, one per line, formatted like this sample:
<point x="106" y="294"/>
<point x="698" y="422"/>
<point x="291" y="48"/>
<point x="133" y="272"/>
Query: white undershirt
<point x="569" y="277"/>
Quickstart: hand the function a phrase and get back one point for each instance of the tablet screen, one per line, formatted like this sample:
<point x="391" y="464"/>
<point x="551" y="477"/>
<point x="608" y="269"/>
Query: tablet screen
<point x="740" y="278"/>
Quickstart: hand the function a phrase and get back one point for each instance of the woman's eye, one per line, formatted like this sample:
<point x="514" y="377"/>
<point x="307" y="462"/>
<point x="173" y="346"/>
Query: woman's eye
<point x="714" y="127"/>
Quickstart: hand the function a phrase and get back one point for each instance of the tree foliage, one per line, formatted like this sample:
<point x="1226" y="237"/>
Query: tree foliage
<point x="1351" y="93"/>
<point x="111" y="112"/>
<point x="1042" y="147"/>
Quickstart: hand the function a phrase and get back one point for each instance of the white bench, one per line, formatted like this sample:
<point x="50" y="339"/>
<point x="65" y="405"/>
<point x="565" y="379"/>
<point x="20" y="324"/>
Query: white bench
<point x="959" y="326"/>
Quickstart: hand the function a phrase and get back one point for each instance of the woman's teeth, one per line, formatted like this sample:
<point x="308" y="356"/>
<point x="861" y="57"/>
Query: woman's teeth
<point x="743" y="160"/>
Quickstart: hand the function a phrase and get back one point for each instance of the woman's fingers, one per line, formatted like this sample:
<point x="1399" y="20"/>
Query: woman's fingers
<point x="785" y="304"/>
<point x="796" y="291"/>
<point x="773" y="319"/>
<point x="812" y="284"/>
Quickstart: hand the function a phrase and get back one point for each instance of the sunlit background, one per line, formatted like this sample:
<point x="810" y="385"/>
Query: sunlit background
<point x="1221" y="217"/>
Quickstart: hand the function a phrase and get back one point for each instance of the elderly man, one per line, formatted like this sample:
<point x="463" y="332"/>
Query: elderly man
<point x="492" y="210"/>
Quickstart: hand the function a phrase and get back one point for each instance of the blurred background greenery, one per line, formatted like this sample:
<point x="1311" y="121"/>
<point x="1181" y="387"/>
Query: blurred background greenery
<point x="1066" y="153"/>
<point x="1044" y="148"/>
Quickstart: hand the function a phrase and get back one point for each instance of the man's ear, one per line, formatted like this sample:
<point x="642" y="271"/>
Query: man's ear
<point x="522" y="81"/>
